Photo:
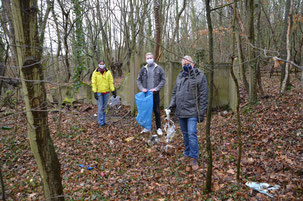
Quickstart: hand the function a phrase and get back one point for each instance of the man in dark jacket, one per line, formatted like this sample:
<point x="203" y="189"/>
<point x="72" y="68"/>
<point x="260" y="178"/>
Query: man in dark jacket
<point x="152" y="77"/>
<point x="190" y="97"/>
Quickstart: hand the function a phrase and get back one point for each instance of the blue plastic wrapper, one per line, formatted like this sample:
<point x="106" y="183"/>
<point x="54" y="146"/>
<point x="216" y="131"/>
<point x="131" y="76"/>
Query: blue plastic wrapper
<point x="144" y="101"/>
<point x="88" y="167"/>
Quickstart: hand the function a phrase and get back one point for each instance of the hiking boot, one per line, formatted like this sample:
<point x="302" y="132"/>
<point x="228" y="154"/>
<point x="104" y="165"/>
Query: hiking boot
<point x="159" y="131"/>
<point x="144" y="130"/>
<point x="194" y="164"/>
<point x="103" y="125"/>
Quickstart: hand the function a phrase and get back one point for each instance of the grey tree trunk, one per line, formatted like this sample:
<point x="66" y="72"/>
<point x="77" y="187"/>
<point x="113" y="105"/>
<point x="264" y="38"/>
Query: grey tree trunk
<point x="288" y="46"/>
<point x="283" y="49"/>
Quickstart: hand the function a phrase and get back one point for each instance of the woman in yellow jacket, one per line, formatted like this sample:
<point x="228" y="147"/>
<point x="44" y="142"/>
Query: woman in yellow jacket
<point x="102" y="85"/>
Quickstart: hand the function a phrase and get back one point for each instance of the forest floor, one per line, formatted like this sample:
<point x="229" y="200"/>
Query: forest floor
<point x="125" y="167"/>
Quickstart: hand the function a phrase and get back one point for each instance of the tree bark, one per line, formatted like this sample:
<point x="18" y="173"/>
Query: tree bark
<point x="239" y="130"/>
<point x="2" y="72"/>
<point x="29" y="51"/>
<point x="286" y="76"/>
<point x="157" y="14"/>
<point x="241" y="61"/>
<point x="259" y="44"/>
<point x="251" y="55"/>
<point x="58" y="72"/>
<point x="66" y="31"/>
<point x="2" y="184"/>
<point x="207" y="188"/>
<point x="283" y="49"/>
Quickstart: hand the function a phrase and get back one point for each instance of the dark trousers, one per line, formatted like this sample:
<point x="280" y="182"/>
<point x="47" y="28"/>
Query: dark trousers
<point x="156" y="109"/>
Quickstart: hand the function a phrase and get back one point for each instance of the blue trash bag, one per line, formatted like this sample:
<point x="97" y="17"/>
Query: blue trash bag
<point x="144" y="101"/>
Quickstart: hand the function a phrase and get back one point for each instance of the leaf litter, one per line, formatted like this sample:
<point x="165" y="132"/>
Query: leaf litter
<point x="126" y="167"/>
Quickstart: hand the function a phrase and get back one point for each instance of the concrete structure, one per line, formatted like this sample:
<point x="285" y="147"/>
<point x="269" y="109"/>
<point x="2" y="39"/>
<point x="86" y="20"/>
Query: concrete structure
<point x="224" y="89"/>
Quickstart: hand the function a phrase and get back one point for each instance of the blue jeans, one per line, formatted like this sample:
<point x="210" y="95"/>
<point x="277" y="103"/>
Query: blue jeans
<point x="102" y="103"/>
<point x="189" y="130"/>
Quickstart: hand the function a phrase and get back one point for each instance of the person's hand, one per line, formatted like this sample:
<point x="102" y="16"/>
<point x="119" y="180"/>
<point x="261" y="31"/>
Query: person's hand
<point x="96" y="95"/>
<point x="114" y="94"/>
<point x="144" y="90"/>
<point x="153" y="90"/>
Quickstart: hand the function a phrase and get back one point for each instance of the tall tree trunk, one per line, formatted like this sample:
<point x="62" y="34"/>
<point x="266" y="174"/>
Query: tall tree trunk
<point x="27" y="41"/>
<point x="66" y="31"/>
<point x="58" y="72"/>
<point x="79" y="43"/>
<point x="283" y="49"/>
<point x="238" y="93"/>
<point x="251" y="53"/>
<point x="207" y="188"/>
<point x="157" y="13"/>
<point x="259" y="44"/>
<point x="286" y="77"/>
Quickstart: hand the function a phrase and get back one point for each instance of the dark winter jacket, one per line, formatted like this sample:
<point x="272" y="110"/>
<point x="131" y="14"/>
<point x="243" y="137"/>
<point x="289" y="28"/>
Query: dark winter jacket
<point x="189" y="90"/>
<point x="158" y="77"/>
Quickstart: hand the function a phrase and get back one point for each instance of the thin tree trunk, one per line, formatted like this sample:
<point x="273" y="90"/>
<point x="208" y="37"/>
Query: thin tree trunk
<point x="27" y="42"/>
<point x="284" y="40"/>
<point x="157" y="4"/>
<point x="207" y="188"/>
<point x="2" y="184"/>
<point x="251" y="54"/>
<point x="58" y="73"/>
<point x="259" y="42"/>
<point x="238" y="95"/>
<point x="2" y="72"/>
<point x="284" y="82"/>
<point x="65" y="17"/>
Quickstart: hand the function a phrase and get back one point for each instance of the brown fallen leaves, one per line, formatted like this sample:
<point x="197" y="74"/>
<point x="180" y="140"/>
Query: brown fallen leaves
<point x="125" y="167"/>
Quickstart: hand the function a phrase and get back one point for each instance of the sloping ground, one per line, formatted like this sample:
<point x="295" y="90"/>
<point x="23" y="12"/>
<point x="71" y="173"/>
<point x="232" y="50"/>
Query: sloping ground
<point x="125" y="168"/>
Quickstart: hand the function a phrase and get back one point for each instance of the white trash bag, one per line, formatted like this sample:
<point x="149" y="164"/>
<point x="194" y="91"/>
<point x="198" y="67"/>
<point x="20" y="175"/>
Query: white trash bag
<point x="115" y="102"/>
<point x="169" y="127"/>
<point x="262" y="187"/>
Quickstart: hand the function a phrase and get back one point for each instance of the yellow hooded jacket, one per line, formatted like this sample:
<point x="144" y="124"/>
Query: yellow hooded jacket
<point x="102" y="83"/>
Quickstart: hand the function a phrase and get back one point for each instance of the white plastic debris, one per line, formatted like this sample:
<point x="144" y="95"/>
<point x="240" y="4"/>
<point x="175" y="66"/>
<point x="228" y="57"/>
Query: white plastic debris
<point x="153" y="140"/>
<point x="262" y="187"/>
<point x="169" y="127"/>
<point x="115" y="102"/>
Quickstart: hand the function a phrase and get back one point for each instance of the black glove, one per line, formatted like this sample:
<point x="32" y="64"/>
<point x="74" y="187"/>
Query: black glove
<point x="96" y="95"/>
<point x="200" y="119"/>
<point x="114" y="93"/>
